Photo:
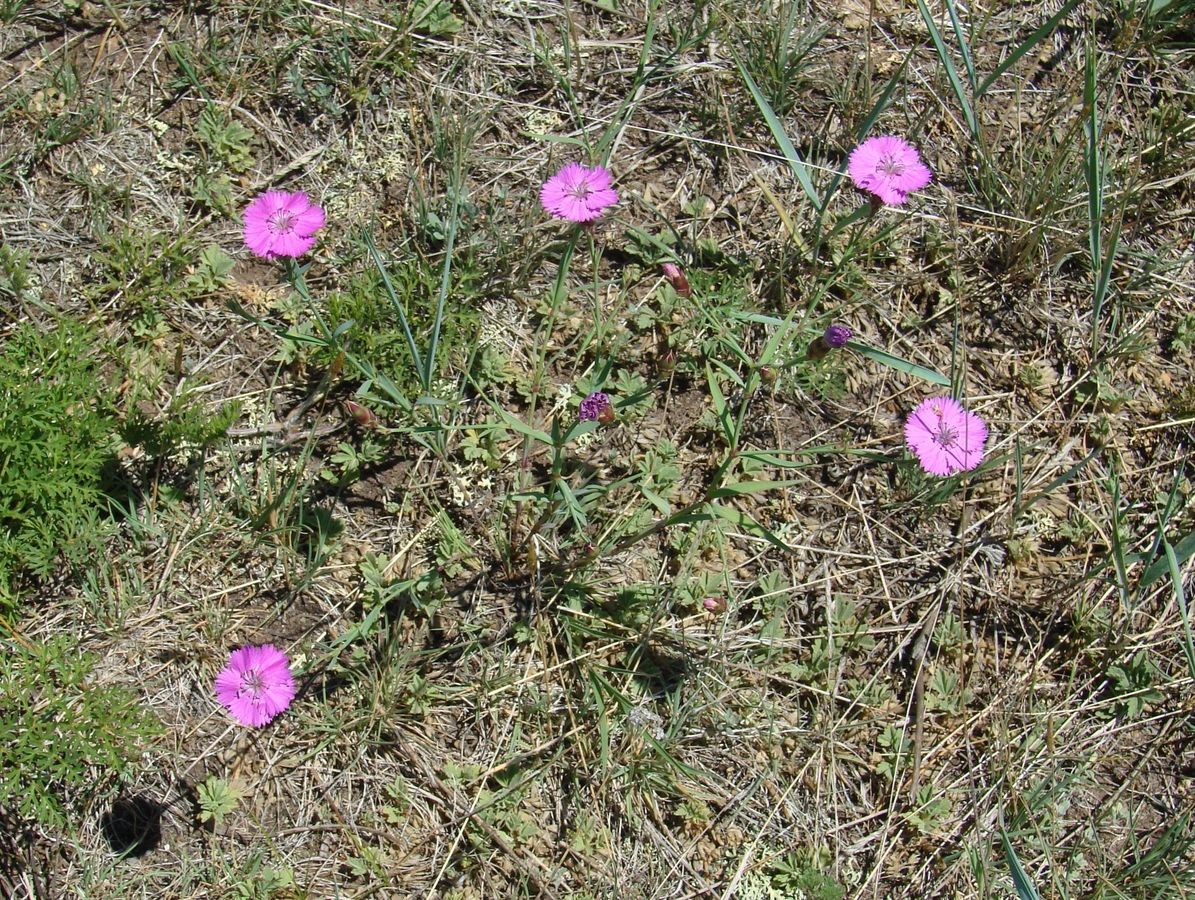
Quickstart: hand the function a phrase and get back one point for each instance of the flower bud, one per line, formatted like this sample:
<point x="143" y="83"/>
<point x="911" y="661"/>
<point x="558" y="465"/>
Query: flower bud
<point x="714" y="604"/>
<point x="834" y="338"/>
<point x="677" y="279"/>
<point x="596" y="407"/>
<point x="666" y="363"/>
<point x="364" y="417"/>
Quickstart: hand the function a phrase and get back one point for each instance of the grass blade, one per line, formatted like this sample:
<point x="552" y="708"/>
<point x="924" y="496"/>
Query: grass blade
<point x="881" y="103"/>
<point x="1055" y="483"/>
<point x="786" y="146"/>
<point x="1180" y="597"/>
<point x="1025" y="46"/>
<point x="1094" y="172"/>
<point x="869" y="121"/>
<point x="748" y="523"/>
<point x="517" y="424"/>
<point x="951" y="73"/>
<point x="1182" y="552"/>
<point x="968" y="63"/>
<point x="1025" y="888"/>
<point x="885" y="358"/>
<point x="720" y="408"/>
<point x="1103" y="275"/>
<point x="398" y="307"/>
<point x="748" y="487"/>
<point x="1092" y="168"/>
<point x="445" y="276"/>
<point x="1119" y="562"/>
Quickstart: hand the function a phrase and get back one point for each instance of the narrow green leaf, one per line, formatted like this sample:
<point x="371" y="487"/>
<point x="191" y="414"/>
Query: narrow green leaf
<point x="748" y="487"/>
<point x="1056" y="483"/>
<point x="786" y="146"/>
<point x="554" y="138"/>
<point x="1094" y="172"/>
<point x="728" y="371"/>
<point x="1119" y="563"/>
<point x="576" y="511"/>
<point x="1025" y="888"/>
<point x="957" y="25"/>
<point x="882" y="103"/>
<point x="747" y="523"/>
<point x="756" y="318"/>
<point x="1025" y="46"/>
<point x="433" y="345"/>
<point x="690" y="518"/>
<point x="720" y="409"/>
<point x="1180" y="597"/>
<point x="297" y="337"/>
<point x="656" y="500"/>
<point x="775" y="459"/>
<point x="901" y="365"/>
<point x="1183" y="551"/>
<point x="518" y="425"/>
<point x="579" y="428"/>
<point x="1104" y="275"/>
<point x="389" y="387"/>
<point x="642" y="237"/>
<point x="951" y="73"/>
<point x="416" y="359"/>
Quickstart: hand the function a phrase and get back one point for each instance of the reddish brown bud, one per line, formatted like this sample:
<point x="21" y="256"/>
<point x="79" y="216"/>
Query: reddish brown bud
<point x="364" y="417"/>
<point x="606" y="416"/>
<point x="677" y="279"/>
<point x="768" y="375"/>
<point x="666" y="363"/>
<point x="714" y="604"/>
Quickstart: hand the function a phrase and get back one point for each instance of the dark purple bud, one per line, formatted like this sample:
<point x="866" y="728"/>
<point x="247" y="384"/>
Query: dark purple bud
<point x="834" y="338"/>
<point x="837" y="336"/>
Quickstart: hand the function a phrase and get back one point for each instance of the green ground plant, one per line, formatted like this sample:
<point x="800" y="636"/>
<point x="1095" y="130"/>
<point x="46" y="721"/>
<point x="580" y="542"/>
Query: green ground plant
<point x="68" y="741"/>
<point x="55" y="441"/>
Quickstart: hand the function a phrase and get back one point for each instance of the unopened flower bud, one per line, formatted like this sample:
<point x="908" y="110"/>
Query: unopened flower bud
<point x="666" y="363"/>
<point x="834" y="338"/>
<point x="837" y="336"/>
<point x="768" y="375"/>
<point x="714" y="604"/>
<point x="677" y="279"/>
<point x="364" y="417"/>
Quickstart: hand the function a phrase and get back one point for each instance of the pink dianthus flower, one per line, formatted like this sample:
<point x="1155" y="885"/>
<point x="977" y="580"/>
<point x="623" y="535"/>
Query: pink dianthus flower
<point x="889" y="168"/>
<point x="282" y="223"/>
<point x="946" y="437"/>
<point x="578" y="193"/>
<point x="256" y="685"/>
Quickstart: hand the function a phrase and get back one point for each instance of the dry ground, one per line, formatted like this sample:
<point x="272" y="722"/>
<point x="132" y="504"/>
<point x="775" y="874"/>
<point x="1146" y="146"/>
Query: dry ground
<point x="918" y="670"/>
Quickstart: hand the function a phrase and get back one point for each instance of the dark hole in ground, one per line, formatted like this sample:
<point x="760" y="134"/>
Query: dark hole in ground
<point x="133" y="826"/>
